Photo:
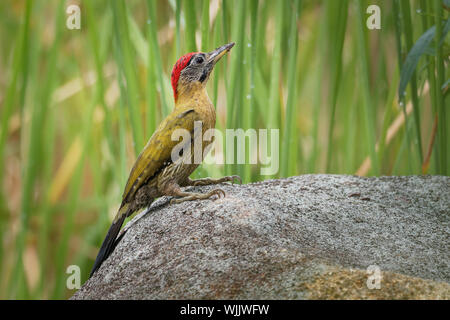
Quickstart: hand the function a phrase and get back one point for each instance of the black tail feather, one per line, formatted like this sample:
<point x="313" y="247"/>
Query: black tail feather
<point x="108" y="244"/>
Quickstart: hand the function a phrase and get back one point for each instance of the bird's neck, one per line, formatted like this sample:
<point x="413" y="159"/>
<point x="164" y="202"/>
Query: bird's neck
<point x="194" y="95"/>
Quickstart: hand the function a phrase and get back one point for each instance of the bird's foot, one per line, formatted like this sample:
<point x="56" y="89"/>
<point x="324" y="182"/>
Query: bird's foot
<point x="190" y="196"/>
<point x="209" y="181"/>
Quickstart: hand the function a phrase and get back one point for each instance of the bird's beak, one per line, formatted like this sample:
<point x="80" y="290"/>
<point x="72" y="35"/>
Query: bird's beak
<point x="218" y="53"/>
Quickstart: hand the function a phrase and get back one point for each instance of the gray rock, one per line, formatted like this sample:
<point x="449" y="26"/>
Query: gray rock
<point x="305" y="237"/>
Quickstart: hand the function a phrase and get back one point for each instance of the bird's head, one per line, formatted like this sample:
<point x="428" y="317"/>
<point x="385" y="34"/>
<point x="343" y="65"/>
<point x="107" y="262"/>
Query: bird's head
<point x="194" y="68"/>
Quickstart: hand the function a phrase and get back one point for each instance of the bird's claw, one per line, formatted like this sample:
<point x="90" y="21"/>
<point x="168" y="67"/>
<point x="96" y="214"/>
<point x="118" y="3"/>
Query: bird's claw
<point x="235" y="177"/>
<point x="218" y="192"/>
<point x="199" y="196"/>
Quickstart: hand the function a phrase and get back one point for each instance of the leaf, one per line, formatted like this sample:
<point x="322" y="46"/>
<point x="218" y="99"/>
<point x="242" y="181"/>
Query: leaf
<point x="447" y="3"/>
<point x="420" y="47"/>
<point x="446" y="84"/>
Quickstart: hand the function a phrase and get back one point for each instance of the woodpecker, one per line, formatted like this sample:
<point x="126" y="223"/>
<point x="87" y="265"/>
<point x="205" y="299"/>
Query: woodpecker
<point x="155" y="173"/>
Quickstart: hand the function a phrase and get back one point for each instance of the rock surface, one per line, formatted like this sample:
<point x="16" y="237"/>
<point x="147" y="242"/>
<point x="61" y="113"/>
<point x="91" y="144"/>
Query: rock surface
<point x="305" y="237"/>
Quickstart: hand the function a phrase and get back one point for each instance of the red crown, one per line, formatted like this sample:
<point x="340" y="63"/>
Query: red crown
<point x="179" y="65"/>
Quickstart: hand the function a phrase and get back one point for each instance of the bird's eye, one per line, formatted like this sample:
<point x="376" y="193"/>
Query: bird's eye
<point x="199" y="60"/>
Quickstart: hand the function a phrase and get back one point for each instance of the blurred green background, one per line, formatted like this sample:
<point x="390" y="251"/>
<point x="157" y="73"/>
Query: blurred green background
<point x="77" y="106"/>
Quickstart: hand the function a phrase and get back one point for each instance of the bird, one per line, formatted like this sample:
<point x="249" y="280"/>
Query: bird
<point x="157" y="172"/>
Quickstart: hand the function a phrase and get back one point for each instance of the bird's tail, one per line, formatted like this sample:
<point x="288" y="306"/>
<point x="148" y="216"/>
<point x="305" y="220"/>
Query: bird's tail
<point x="110" y="239"/>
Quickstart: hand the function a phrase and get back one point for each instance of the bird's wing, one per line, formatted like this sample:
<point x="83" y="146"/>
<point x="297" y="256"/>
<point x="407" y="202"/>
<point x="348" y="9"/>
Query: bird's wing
<point x="157" y="153"/>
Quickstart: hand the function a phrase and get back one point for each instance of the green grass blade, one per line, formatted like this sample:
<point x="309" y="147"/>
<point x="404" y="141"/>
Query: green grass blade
<point x="205" y="26"/>
<point x="273" y="120"/>
<point x="17" y="67"/>
<point x="288" y="148"/>
<point x="156" y="63"/>
<point x="340" y="20"/>
<point x="408" y="29"/>
<point x="440" y="78"/>
<point x="190" y="20"/>
<point x="234" y="77"/>
<point x="367" y="100"/>
<point x="129" y="68"/>
<point x="177" y="28"/>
